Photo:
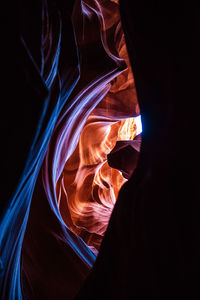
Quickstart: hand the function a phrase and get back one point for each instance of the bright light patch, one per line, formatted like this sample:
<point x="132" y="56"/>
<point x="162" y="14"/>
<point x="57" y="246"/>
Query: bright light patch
<point x="138" y="125"/>
<point x="129" y="128"/>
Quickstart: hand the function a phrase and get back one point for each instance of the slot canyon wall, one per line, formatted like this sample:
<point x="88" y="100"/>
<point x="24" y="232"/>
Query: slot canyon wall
<point x="90" y="208"/>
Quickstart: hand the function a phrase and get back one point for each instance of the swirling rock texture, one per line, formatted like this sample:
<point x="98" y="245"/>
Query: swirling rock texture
<point x="68" y="189"/>
<point x="75" y="140"/>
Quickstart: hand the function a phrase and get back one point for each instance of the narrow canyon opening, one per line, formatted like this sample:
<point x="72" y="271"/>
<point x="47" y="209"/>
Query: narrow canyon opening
<point x="108" y="147"/>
